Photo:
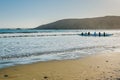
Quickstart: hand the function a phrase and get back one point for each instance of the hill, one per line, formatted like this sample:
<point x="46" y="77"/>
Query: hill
<point x="107" y="22"/>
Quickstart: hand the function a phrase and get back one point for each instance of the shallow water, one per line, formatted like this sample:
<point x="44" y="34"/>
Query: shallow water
<point x="42" y="45"/>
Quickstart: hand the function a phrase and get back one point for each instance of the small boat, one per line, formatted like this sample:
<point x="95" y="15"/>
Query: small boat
<point x="96" y="34"/>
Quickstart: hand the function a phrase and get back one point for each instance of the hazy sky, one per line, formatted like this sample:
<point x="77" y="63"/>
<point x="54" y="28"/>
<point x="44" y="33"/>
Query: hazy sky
<point x="32" y="13"/>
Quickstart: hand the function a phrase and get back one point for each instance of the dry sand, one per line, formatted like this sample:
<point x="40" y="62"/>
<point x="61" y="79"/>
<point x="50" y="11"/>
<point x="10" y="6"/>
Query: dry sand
<point x="97" y="67"/>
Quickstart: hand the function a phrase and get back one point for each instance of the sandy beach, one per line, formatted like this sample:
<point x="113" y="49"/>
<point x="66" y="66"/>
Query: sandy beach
<point x="96" y="67"/>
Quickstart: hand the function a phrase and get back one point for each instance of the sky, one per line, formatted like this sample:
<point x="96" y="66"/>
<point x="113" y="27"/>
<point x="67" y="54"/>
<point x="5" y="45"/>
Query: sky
<point x="33" y="13"/>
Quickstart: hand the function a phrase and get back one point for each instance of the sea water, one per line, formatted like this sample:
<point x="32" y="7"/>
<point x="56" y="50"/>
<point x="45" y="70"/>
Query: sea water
<point x="28" y="46"/>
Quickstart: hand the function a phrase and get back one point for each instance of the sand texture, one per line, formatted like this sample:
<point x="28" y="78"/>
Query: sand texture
<point x="97" y="67"/>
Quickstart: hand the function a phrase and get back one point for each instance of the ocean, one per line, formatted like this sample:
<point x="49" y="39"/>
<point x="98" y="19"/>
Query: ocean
<point x="29" y="46"/>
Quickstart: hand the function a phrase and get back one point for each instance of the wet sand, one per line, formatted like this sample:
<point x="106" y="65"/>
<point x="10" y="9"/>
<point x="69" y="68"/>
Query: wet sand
<point x="96" y="67"/>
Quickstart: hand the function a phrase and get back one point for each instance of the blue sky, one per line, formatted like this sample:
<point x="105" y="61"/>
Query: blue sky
<point x="32" y="13"/>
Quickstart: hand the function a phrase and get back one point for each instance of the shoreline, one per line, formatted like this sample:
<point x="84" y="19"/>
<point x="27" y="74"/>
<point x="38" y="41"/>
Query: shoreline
<point x="105" y="66"/>
<point x="47" y="61"/>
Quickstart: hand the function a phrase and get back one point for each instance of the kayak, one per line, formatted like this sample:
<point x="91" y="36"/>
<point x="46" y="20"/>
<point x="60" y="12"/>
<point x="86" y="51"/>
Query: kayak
<point x="104" y="35"/>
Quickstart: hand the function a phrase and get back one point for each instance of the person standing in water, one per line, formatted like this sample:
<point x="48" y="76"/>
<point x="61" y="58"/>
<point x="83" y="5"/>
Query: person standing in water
<point x="99" y="34"/>
<point x="104" y="34"/>
<point x="82" y="33"/>
<point x="88" y="33"/>
<point x="94" y="33"/>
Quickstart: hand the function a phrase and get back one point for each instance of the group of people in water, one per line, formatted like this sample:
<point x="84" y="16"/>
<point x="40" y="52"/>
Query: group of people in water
<point x="94" y="34"/>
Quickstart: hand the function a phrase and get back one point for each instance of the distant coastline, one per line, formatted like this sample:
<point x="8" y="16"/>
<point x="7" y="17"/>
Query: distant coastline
<point x="107" y="22"/>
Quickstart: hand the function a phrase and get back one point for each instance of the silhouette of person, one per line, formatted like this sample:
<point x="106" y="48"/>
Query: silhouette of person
<point x="88" y="33"/>
<point x="104" y="34"/>
<point x="94" y="33"/>
<point x="82" y="33"/>
<point x="99" y="34"/>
